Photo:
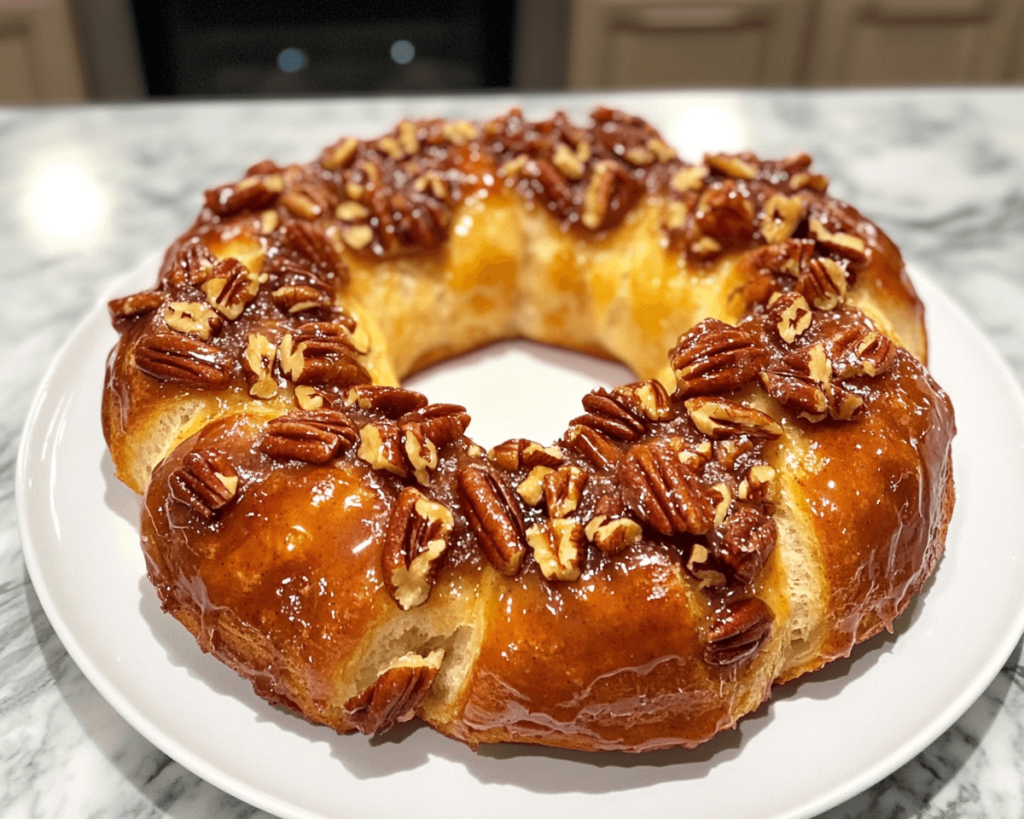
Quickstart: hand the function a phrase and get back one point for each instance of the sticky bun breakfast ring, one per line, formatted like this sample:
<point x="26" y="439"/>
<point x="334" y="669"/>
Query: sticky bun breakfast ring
<point x="774" y="491"/>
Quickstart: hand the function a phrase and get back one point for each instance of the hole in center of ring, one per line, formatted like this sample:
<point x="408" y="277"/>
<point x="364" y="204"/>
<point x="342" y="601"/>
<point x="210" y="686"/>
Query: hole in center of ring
<point x="518" y="388"/>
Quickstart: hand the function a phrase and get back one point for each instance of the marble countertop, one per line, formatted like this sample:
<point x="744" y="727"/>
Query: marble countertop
<point x="89" y="191"/>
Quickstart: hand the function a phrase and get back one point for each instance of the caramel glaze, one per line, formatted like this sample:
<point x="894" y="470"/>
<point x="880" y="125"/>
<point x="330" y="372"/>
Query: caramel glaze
<point x="870" y="529"/>
<point x="275" y="552"/>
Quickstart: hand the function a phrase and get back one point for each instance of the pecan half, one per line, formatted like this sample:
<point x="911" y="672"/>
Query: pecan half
<point x="182" y="359"/>
<point x="714" y="357"/>
<point x="608" y="413"/>
<point x="314" y="436"/>
<point x="664" y="492"/>
<point x="494" y="516"/>
<point x="396" y="693"/>
<point x="321" y="354"/>
<point x="440" y="423"/>
<point x="720" y="418"/>
<point x="740" y="630"/>
<point x="391" y="402"/>
<point x="426" y="431"/>
<point x="205" y="482"/>
<point x="414" y="546"/>
<point x="592" y="445"/>
<point x="311" y="243"/>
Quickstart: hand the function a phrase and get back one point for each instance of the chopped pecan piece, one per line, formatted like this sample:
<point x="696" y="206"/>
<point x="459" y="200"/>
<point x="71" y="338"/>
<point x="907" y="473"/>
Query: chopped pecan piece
<point x="747" y="539"/>
<point x="314" y="436"/>
<point x="645" y="399"/>
<point x="396" y="693"/>
<point x="259" y="357"/>
<point x="558" y="548"/>
<point x="801" y="394"/>
<point x="182" y="359"/>
<point x="414" y="546"/>
<point x="230" y="287"/>
<point x="608" y="195"/>
<point x="664" y="492"/>
<point x="790" y="313"/>
<point x="857" y="351"/>
<point x="252" y="193"/>
<point x="531" y="488"/>
<point x="205" y="482"/>
<point x="192" y="318"/>
<point x="788" y="258"/>
<point x="782" y="216"/>
<point x="611" y="530"/>
<point x="382" y="446"/>
<point x="725" y="214"/>
<point x="715" y="357"/>
<point x="842" y="244"/>
<point x="740" y="630"/>
<point x="135" y="305"/>
<point x="494" y="516"/>
<point x="299" y="298"/>
<point x="563" y="488"/>
<point x="520" y="453"/>
<point x="738" y="166"/>
<point x="720" y="418"/>
<point x="823" y="283"/>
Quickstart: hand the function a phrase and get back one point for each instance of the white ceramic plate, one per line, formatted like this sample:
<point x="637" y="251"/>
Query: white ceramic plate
<point x="819" y="742"/>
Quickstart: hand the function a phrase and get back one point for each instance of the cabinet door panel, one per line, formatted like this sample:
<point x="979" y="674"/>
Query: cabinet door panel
<point x="871" y="42"/>
<point x="619" y="43"/>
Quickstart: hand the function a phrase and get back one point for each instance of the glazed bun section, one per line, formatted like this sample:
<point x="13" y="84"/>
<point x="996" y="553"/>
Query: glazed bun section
<point x="773" y="488"/>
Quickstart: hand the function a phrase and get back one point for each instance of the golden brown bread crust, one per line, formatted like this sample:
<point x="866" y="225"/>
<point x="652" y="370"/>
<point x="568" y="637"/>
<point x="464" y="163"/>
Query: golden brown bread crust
<point x="640" y="584"/>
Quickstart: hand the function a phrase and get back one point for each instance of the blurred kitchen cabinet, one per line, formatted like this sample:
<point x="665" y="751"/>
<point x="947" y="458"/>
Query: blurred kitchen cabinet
<point x="39" y="59"/>
<point x="619" y="43"/>
<point x="872" y="42"/>
<point x="635" y="43"/>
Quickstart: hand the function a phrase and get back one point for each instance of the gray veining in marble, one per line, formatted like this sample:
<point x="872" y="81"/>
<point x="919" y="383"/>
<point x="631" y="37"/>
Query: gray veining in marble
<point x="942" y="171"/>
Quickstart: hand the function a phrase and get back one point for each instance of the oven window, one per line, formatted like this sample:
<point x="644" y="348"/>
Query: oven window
<point x="265" y="47"/>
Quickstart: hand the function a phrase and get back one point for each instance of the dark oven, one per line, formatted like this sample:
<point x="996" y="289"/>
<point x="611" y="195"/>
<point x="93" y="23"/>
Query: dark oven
<point x="266" y="47"/>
